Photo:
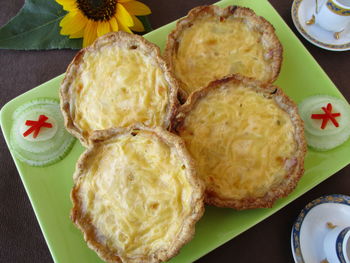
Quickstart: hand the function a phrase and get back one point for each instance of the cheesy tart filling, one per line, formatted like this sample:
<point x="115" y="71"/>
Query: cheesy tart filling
<point x="118" y="88"/>
<point x="138" y="191"/>
<point x="211" y="43"/>
<point x="247" y="141"/>
<point x="119" y="81"/>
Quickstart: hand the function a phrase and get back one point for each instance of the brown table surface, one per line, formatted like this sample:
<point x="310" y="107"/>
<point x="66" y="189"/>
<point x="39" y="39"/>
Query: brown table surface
<point x="20" y="237"/>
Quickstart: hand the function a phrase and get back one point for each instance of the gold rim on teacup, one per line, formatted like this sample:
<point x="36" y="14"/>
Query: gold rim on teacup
<point x="337" y="8"/>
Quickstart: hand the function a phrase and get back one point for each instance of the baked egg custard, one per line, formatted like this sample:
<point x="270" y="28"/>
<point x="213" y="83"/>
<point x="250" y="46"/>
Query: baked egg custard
<point x="247" y="140"/>
<point x="118" y="81"/>
<point x="211" y="43"/>
<point x="136" y="196"/>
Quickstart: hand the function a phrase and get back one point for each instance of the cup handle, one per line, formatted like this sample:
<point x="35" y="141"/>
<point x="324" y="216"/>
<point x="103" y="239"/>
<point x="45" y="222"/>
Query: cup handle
<point x="319" y="4"/>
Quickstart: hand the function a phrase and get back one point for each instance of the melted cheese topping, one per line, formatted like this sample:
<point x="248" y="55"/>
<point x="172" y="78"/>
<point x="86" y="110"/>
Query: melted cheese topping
<point x="211" y="49"/>
<point x="118" y="87"/>
<point x="240" y="140"/>
<point x="137" y="195"/>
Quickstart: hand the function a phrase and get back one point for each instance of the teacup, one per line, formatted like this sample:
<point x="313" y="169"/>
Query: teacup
<point x="337" y="245"/>
<point x="333" y="15"/>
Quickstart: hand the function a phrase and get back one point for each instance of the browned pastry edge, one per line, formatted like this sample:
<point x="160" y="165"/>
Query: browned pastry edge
<point x="297" y="163"/>
<point x="270" y="40"/>
<point x="123" y="40"/>
<point x="83" y="221"/>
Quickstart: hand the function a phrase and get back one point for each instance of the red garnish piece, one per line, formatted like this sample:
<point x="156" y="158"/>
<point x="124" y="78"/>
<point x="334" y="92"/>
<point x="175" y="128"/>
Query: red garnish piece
<point x="36" y="126"/>
<point x="328" y="115"/>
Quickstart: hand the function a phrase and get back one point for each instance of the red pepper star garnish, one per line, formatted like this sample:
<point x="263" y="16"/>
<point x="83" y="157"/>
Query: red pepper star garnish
<point x="36" y="126"/>
<point x="328" y="115"/>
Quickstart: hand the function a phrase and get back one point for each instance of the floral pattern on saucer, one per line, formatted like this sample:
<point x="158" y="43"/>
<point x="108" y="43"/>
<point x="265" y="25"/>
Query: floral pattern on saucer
<point x="296" y="230"/>
<point x="302" y="10"/>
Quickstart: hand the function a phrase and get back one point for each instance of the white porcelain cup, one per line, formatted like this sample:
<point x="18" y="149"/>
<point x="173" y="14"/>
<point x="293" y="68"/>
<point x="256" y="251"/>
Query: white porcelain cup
<point x="336" y="245"/>
<point x="333" y="15"/>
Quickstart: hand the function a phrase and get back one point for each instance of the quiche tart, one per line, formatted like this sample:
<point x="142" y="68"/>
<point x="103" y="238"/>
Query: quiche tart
<point x="136" y="196"/>
<point x="118" y="81"/>
<point x="211" y="43"/>
<point x="247" y="139"/>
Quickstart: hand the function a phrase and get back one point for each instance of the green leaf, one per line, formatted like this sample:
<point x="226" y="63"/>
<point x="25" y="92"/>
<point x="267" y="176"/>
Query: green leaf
<point x="36" y="26"/>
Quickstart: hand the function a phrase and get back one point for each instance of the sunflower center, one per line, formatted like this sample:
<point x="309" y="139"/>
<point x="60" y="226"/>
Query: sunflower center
<point x="98" y="10"/>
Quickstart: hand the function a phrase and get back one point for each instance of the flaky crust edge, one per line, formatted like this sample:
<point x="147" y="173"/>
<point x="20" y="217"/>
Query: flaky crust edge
<point x="271" y="40"/>
<point x="121" y="39"/>
<point x="291" y="179"/>
<point x="197" y="203"/>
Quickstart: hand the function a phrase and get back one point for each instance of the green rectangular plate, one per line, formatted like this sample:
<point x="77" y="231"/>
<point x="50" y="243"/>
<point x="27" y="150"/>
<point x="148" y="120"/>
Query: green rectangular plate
<point x="49" y="187"/>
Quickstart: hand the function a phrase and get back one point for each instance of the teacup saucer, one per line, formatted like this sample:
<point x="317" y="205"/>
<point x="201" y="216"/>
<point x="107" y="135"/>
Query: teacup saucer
<point x="302" y="10"/>
<point x="310" y="228"/>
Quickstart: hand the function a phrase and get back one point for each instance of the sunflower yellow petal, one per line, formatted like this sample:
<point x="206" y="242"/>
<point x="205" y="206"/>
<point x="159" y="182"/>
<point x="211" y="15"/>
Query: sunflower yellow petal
<point x="137" y="8"/>
<point x="114" y="24"/>
<point x="78" y="34"/>
<point x="72" y="23"/>
<point x="68" y="5"/>
<point x="90" y="33"/>
<point x="66" y="22"/>
<point x="123" y="27"/>
<point x="124" y="16"/>
<point x="138" y="26"/>
<point x="103" y="28"/>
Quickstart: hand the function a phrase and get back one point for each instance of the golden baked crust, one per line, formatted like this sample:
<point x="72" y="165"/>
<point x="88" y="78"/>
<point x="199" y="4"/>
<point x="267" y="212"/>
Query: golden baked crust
<point x="247" y="139"/>
<point x="212" y="42"/>
<point x="131" y="211"/>
<point x="119" y="80"/>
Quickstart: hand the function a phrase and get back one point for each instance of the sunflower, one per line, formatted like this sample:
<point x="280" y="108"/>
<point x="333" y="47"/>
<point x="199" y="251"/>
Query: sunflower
<point x="93" y="18"/>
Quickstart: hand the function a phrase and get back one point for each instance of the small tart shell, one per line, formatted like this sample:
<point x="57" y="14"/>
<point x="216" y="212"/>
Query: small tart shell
<point x="295" y="167"/>
<point x="82" y="220"/>
<point x="272" y="45"/>
<point x="123" y="41"/>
